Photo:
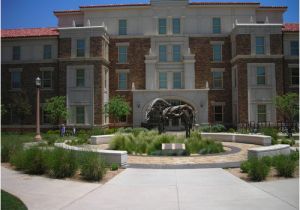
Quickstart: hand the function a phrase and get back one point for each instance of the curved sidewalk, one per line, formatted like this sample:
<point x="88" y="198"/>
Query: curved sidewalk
<point x="148" y="189"/>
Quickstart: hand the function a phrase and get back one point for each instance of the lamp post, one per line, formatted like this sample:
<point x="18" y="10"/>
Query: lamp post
<point x="38" y="133"/>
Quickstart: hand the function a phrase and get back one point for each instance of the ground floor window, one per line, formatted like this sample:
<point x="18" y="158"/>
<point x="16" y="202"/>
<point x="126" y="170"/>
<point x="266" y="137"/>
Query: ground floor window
<point x="261" y="113"/>
<point x="294" y="76"/>
<point x="123" y="119"/>
<point x="80" y="113"/>
<point x="218" y="113"/>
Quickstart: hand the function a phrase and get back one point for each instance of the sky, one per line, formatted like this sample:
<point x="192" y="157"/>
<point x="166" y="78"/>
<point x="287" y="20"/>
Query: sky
<point x="39" y="13"/>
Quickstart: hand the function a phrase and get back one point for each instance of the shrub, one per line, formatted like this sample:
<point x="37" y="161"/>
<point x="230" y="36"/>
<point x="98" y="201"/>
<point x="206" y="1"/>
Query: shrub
<point x="92" y="167"/>
<point x="8" y="149"/>
<point x="271" y="132"/>
<point x="18" y="160"/>
<point x="218" y="128"/>
<point x="34" y="158"/>
<point x="231" y="130"/>
<point x="114" y="167"/>
<point x="51" y="138"/>
<point x="285" y="165"/>
<point x="294" y="155"/>
<point x="55" y="132"/>
<point x="245" y="166"/>
<point x="205" y="128"/>
<point x="61" y="163"/>
<point x="258" y="169"/>
<point x="267" y="160"/>
<point x="291" y="142"/>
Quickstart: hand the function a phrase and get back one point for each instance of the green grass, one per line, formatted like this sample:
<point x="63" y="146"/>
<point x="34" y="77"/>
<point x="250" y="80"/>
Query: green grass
<point x="10" y="202"/>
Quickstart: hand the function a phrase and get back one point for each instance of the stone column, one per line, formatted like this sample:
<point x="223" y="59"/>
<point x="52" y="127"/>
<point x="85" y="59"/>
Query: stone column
<point x="189" y="71"/>
<point x="151" y="78"/>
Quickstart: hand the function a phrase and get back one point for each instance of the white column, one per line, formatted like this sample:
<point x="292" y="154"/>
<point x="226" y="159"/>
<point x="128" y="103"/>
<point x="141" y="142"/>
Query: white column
<point x="151" y="77"/>
<point x="189" y="71"/>
<point x="169" y="25"/>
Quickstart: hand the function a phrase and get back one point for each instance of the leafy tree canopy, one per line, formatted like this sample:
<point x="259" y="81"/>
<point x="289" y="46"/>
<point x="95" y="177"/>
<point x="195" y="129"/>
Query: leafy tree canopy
<point x="118" y="107"/>
<point x="288" y="105"/>
<point x="56" y="109"/>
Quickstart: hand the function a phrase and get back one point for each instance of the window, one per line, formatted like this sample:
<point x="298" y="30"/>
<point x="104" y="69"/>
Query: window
<point x="177" y="80"/>
<point x="122" y="119"/>
<point x="218" y="113"/>
<point x="217" y="79"/>
<point x="260" y="45"/>
<point x="80" y="48"/>
<point x="80" y="78"/>
<point x="176" y="53"/>
<point x="162" y="53"/>
<point x="261" y="113"/>
<point x="176" y="25"/>
<point x="260" y="75"/>
<point x="163" y="80"/>
<point x="122" y="27"/>
<point x="46" y="79"/>
<point x="217" y="52"/>
<point x="15" y="79"/>
<point x="47" y="51"/>
<point x="122" y="81"/>
<point x="16" y="53"/>
<point x="294" y="76"/>
<point x="80" y="115"/>
<point x="294" y="47"/>
<point x="122" y="50"/>
<point x="216" y="25"/>
<point x="162" y="25"/>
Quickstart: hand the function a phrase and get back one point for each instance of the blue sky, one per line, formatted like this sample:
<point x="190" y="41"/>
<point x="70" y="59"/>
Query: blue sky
<point x="39" y="13"/>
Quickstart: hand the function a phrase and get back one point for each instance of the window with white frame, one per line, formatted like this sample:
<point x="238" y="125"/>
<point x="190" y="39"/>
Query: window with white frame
<point x="46" y="79"/>
<point x="216" y="25"/>
<point x="260" y="45"/>
<point x="16" y="54"/>
<point x="294" y="76"/>
<point x="80" y="78"/>
<point x="176" y="25"/>
<point x="123" y="27"/>
<point x="122" y="80"/>
<point x="16" y="79"/>
<point x="261" y="113"/>
<point x="217" y="52"/>
<point x="162" y="53"/>
<point x="80" y="115"/>
<point x="163" y="80"/>
<point x="217" y="79"/>
<point x="260" y="75"/>
<point x="294" y="48"/>
<point x="162" y="25"/>
<point x="47" y="51"/>
<point x="218" y="113"/>
<point x="177" y="80"/>
<point x="122" y="54"/>
<point x="176" y="53"/>
<point x="80" y="48"/>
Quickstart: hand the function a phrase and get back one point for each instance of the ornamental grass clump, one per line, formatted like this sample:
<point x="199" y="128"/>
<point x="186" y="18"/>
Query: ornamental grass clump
<point x="285" y="165"/>
<point x="245" y="166"/>
<point x="258" y="169"/>
<point x="61" y="163"/>
<point x="92" y="166"/>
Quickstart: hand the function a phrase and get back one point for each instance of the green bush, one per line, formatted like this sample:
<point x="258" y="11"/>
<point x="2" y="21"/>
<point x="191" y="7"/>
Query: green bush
<point x="61" y="163"/>
<point x="231" y="130"/>
<point x="92" y="167"/>
<point x="273" y="132"/>
<point x="267" y="160"/>
<point x="8" y="149"/>
<point x="245" y="166"/>
<point x="18" y="160"/>
<point x="218" y="128"/>
<point x="295" y="156"/>
<point x="51" y="138"/>
<point x="258" y="169"/>
<point x="34" y="158"/>
<point x="285" y="165"/>
<point x="291" y="142"/>
<point x="114" y="167"/>
<point x="55" y="132"/>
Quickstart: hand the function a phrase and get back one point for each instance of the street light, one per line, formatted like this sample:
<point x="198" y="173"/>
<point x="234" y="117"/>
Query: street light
<point x="38" y="133"/>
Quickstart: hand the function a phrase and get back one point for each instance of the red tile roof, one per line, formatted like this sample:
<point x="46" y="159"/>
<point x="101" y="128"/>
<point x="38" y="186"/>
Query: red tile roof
<point x="28" y="32"/>
<point x="290" y="27"/>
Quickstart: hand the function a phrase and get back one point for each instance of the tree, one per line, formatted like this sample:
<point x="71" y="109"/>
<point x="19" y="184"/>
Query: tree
<point x="56" y="109"/>
<point x="20" y="105"/>
<point x="117" y="107"/>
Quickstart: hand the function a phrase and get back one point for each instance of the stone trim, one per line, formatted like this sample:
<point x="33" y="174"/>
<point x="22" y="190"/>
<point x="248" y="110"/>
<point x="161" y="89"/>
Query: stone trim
<point x="255" y="57"/>
<point x="122" y="44"/>
<point x="217" y="69"/>
<point x="216" y="42"/>
<point x="293" y="65"/>
<point x="15" y="69"/>
<point x="47" y="68"/>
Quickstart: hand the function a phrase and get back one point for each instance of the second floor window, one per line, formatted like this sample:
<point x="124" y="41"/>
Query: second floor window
<point x="260" y="75"/>
<point x="122" y="27"/>
<point x="122" y="50"/>
<point x="216" y="25"/>
<point x="294" y="74"/>
<point x="16" y="53"/>
<point x="294" y="46"/>
<point x="15" y="79"/>
<point x="47" y="51"/>
<point x="217" y="79"/>
<point x="261" y="113"/>
<point x="162" y="25"/>
<point x="80" y="115"/>
<point x="176" y="25"/>
<point x="176" y="53"/>
<point x="80" y="78"/>
<point x="217" y="52"/>
<point x="177" y="84"/>
<point x="122" y="83"/>
<point x="260" y="45"/>
<point x="80" y="48"/>
<point x="162" y="53"/>
<point x="163" y="81"/>
<point x="46" y="79"/>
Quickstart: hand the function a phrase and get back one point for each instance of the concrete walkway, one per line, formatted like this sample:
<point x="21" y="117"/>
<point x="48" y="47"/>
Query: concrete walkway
<point x="208" y="189"/>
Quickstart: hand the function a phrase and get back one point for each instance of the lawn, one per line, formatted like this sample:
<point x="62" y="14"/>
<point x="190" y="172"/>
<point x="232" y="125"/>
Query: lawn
<point x="10" y="202"/>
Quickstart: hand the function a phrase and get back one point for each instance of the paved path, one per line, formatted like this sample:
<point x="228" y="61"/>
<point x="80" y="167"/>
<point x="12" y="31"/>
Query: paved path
<point x="208" y="189"/>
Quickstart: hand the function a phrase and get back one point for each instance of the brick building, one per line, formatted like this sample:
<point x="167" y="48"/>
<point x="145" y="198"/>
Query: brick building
<point x="227" y="60"/>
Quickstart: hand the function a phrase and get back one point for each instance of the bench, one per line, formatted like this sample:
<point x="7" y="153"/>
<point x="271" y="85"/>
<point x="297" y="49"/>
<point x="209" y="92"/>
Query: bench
<point x="278" y="149"/>
<point x="101" y="139"/>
